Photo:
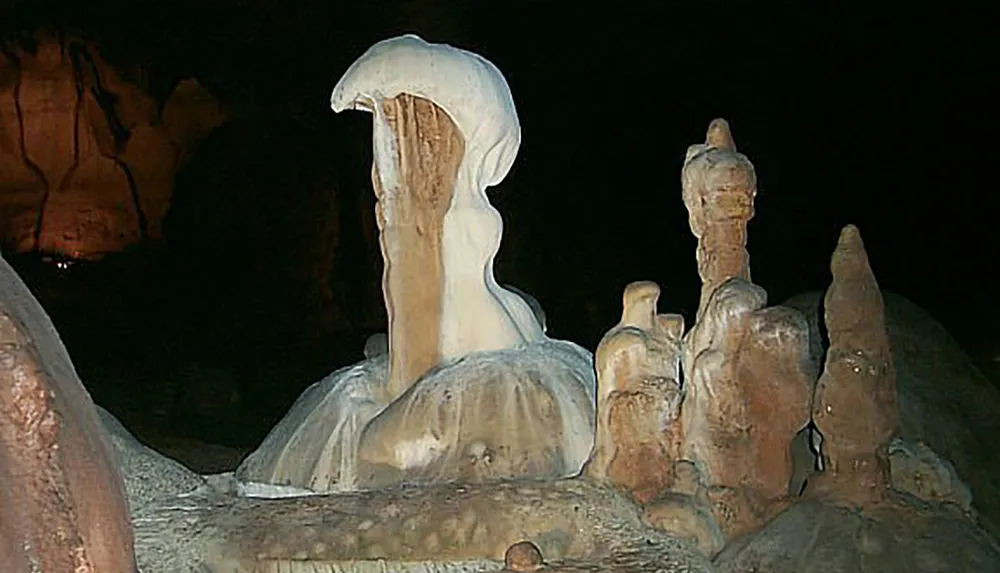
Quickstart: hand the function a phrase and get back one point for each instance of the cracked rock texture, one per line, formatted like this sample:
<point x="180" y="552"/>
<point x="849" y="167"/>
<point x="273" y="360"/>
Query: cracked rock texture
<point x="88" y="159"/>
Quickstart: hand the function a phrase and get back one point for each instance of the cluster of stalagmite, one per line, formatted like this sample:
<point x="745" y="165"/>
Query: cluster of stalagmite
<point x="699" y="430"/>
<point x="748" y="387"/>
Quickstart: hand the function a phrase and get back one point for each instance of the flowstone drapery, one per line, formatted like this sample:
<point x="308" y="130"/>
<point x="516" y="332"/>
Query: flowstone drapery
<point x="471" y="389"/>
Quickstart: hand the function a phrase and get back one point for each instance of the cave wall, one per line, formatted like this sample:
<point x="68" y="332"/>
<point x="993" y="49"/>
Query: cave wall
<point x="87" y="159"/>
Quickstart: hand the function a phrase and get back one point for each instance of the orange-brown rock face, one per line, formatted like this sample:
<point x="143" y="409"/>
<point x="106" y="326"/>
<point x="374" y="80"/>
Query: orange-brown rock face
<point x="87" y="163"/>
<point x="748" y="394"/>
<point x="639" y="395"/>
<point x="62" y="501"/>
<point x="854" y="405"/>
<point x="719" y="189"/>
<point x="773" y="370"/>
<point x="410" y="218"/>
<point x="747" y="381"/>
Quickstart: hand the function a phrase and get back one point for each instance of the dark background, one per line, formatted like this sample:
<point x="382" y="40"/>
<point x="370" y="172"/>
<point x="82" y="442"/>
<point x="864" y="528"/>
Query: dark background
<point x="850" y="112"/>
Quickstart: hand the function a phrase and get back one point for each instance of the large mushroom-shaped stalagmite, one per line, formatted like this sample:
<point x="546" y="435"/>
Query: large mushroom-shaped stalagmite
<point x="439" y="232"/>
<point x="62" y="502"/>
<point x="471" y="388"/>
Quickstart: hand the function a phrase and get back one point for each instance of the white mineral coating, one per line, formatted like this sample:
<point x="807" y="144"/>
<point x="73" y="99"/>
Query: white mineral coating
<point x="509" y="414"/>
<point x="504" y="401"/>
<point x="477" y="314"/>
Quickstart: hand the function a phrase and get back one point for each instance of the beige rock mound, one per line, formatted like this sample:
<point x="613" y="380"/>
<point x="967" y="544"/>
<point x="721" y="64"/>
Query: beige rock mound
<point x="574" y="525"/>
<point x="88" y="160"/>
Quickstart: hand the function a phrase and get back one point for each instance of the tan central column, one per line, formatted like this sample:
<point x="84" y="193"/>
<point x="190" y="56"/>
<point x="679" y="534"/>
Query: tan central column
<point x="410" y="219"/>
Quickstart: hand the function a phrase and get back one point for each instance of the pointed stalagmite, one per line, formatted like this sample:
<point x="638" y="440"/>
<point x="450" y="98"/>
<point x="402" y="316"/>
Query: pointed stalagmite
<point x="719" y="188"/>
<point x="854" y="405"/>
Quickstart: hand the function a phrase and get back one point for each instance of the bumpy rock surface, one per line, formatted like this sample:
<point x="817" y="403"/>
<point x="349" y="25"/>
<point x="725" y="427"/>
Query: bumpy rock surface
<point x="897" y="537"/>
<point x="575" y="525"/>
<point x="62" y="503"/>
<point x="88" y="162"/>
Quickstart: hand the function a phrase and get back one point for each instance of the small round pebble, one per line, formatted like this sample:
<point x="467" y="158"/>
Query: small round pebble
<point x="523" y="556"/>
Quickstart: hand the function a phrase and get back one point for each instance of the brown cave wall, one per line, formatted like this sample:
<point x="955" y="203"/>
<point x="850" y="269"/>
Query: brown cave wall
<point x="87" y="159"/>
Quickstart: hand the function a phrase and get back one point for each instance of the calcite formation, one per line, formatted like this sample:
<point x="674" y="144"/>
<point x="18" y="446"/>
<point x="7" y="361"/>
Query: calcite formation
<point x="88" y="160"/>
<point x="445" y="128"/>
<point x="748" y="381"/>
<point x="471" y="388"/>
<point x="956" y="421"/>
<point x="747" y="384"/>
<point x="639" y="396"/>
<point x="62" y="501"/>
<point x="854" y="405"/>
<point x="719" y="186"/>
<point x="475" y="429"/>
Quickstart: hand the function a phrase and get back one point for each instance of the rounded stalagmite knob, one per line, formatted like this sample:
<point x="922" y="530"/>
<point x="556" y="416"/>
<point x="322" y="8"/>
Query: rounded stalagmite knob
<point x="523" y="556"/>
